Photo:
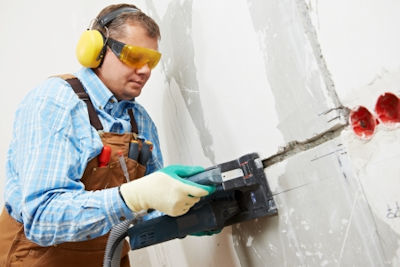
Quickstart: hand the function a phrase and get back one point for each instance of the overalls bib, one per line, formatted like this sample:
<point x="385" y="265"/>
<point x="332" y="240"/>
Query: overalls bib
<point x="17" y="250"/>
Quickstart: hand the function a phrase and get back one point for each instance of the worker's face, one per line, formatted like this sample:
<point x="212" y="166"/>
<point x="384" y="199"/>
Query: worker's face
<point x="126" y="82"/>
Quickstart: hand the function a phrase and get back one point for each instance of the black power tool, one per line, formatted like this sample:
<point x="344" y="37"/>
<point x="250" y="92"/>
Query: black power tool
<point x="242" y="194"/>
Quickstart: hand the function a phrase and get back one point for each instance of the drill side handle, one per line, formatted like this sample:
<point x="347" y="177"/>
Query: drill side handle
<point x="165" y="228"/>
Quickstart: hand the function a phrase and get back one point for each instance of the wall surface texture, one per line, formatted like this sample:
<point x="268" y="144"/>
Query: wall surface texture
<point x="276" y="77"/>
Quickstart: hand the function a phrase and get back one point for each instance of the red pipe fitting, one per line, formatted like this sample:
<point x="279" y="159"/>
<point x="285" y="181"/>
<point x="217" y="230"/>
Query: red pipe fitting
<point x="363" y="122"/>
<point x="387" y="109"/>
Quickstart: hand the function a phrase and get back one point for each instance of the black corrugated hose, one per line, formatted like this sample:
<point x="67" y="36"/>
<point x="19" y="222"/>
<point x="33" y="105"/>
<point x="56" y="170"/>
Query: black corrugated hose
<point x="112" y="256"/>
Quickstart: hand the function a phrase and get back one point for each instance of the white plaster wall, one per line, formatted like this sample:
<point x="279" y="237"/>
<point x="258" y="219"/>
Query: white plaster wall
<point x="360" y="43"/>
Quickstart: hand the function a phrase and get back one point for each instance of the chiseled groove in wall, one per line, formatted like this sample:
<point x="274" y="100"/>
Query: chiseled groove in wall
<point x="313" y="39"/>
<point x="295" y="147"/>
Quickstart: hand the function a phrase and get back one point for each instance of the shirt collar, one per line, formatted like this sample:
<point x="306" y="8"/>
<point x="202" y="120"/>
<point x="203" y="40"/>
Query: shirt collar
<point x="99" y="94"/>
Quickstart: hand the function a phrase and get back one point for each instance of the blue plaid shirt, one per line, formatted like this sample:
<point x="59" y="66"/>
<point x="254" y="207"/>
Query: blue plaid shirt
<point x="52" y="143"/>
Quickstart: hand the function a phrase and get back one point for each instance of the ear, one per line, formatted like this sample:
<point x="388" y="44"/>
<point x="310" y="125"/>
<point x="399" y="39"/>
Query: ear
<point x="89" y="48"/>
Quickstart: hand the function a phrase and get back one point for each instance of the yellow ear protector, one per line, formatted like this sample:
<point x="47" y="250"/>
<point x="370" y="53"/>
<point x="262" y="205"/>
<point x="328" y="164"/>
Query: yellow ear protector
<point x="92" y="44"/>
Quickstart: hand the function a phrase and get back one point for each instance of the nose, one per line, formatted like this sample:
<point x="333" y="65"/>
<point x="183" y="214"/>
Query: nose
<point x="144" y="70"/>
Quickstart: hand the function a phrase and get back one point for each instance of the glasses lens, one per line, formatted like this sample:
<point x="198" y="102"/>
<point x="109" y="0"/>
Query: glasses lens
<point x="137" y="57"/>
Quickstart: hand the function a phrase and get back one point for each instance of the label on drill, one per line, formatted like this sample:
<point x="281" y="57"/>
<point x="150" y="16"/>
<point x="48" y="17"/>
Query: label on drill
<point x="232" y="174"/>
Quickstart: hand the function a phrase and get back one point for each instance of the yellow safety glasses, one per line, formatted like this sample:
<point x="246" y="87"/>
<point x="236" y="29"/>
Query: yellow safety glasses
<point x="134" y="56"/>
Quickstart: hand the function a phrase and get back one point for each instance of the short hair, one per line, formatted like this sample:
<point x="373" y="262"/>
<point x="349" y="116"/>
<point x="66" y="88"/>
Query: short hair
<point x="116" y="28"/>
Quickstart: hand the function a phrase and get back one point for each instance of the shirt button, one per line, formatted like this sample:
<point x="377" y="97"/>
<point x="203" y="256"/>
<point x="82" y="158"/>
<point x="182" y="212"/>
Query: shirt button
<point x="122" y="218"/>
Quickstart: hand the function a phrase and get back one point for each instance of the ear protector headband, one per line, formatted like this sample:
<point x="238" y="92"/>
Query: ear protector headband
<point x="92" y="44"/>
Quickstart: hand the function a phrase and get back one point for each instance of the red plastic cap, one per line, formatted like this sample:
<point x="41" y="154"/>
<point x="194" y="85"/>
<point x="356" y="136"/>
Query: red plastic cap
<point x="387" y="108"/>
<point x="362" y="122"/>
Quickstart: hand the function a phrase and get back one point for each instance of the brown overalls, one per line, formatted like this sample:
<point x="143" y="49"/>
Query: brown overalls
<point x="17" y="250"/>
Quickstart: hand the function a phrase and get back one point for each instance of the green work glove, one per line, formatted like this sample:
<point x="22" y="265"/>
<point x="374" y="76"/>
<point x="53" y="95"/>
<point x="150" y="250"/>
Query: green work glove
<point x="203" y="233"/>
<point x="165" y="190"/>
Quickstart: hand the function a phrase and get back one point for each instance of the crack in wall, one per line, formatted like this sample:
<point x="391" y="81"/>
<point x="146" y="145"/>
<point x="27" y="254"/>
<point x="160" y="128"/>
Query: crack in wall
<point x="312" y="36"/>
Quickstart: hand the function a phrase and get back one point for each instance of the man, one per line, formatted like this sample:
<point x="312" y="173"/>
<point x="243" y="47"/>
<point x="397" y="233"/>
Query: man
<point x="79" y="145"/>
